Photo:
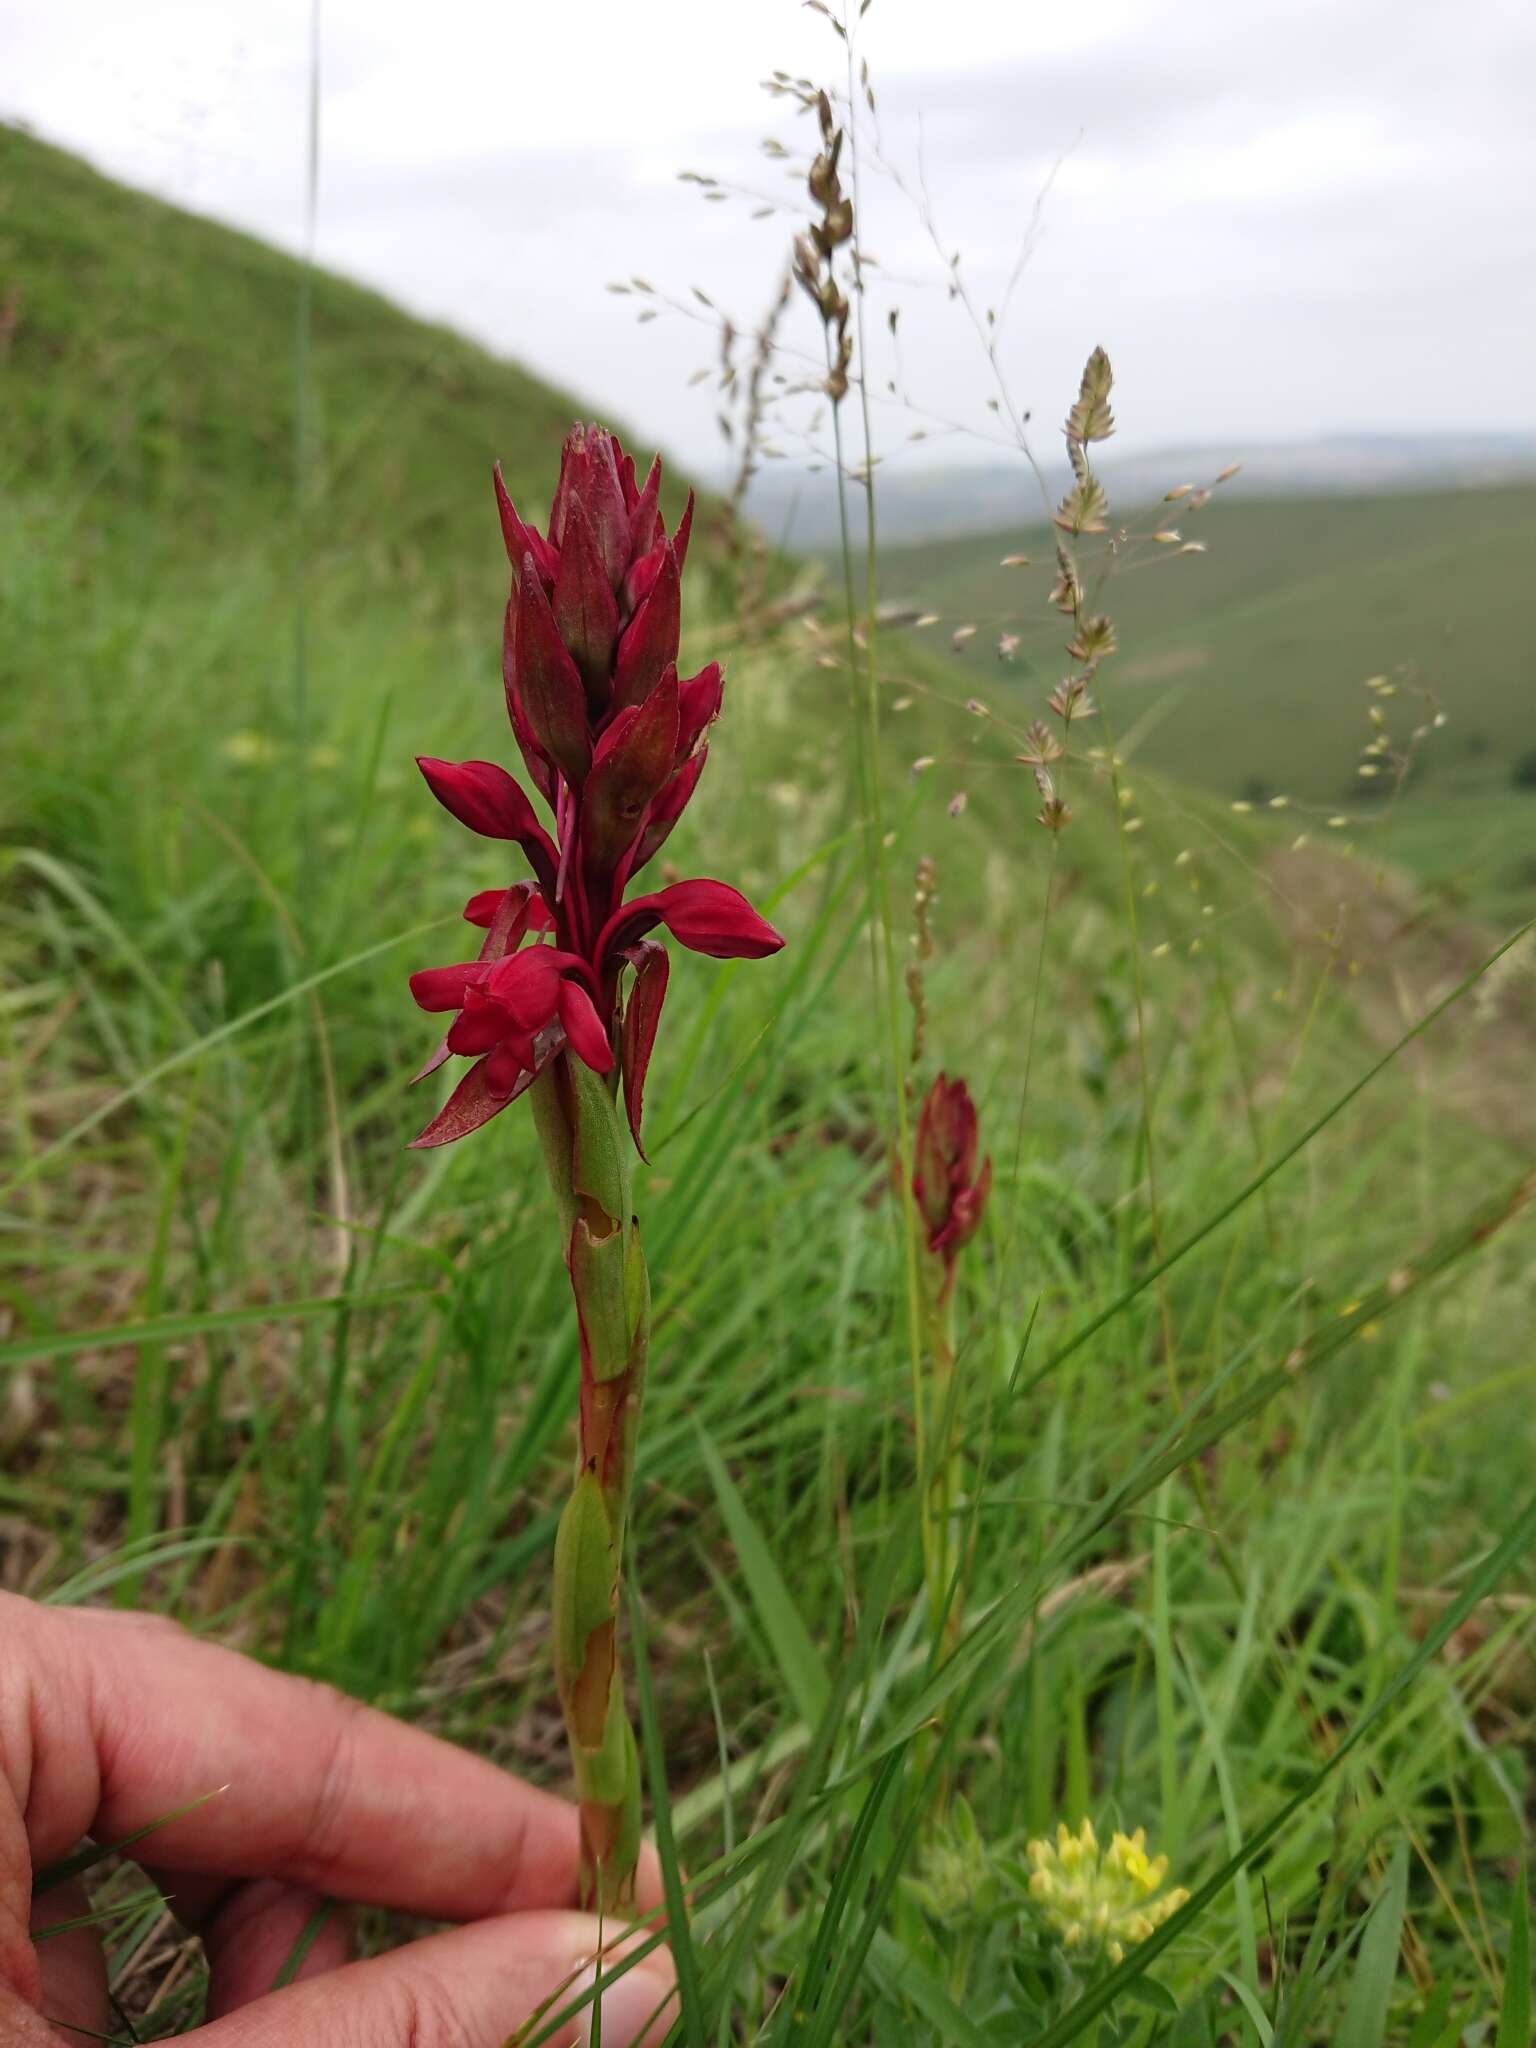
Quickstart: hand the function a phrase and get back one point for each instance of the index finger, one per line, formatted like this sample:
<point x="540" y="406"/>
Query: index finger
<point x="131" y="1719"/>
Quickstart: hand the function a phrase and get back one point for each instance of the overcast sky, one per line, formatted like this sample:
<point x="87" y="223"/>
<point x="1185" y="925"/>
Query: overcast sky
<point x="1282" y="217"/>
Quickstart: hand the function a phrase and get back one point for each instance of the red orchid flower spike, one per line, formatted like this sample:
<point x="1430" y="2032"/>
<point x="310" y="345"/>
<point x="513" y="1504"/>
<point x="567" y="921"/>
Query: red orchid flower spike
<point x="615" y="744"/>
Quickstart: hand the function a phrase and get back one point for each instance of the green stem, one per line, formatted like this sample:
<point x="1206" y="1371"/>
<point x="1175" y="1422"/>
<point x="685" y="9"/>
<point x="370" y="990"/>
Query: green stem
<point x="586" y="1149"/>
<point x="887" y="982"/>
<point x="940" y="1476"/>
<point x="943" y="1478"/>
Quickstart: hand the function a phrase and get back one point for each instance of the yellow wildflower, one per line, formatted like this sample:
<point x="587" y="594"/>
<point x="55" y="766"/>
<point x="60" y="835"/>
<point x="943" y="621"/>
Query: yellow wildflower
<point x="1097" y="1899"/>
<point x="249" y="749"/>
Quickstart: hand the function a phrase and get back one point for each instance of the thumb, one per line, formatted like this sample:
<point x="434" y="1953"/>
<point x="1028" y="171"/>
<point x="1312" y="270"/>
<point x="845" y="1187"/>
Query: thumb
<point x="472" y="1987"/>
<point x="22" y="2025"/>
<point x="70" y="1966"/>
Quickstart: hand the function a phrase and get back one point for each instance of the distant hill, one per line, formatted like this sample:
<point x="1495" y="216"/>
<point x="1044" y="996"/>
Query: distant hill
<point x="928" y="501"/>
<point x="1242" y="670"/>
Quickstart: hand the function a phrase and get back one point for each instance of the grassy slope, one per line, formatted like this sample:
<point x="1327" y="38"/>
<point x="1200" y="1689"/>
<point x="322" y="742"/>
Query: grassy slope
<point x="1245" y="665"/>
<point x="366" y="1492"/>
<point x="150" y="372"/>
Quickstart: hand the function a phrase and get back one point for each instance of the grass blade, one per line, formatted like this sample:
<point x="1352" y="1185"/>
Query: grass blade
<point x="1515" y="2013"/>
<point x="1370" y="1992"/>
<point x="52" y="1875"/>
<point x="1430" y="2031"/>
<point x="176" y="1329"/>
<point x="900" y="1974"/>
<point x="679" y="1930"/>
<point x="1248" y="1998"/>
<point x="800" y="1666"/>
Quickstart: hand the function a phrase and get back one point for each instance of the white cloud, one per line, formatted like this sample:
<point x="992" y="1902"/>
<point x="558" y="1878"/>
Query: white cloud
<point x="1280" y="215"/>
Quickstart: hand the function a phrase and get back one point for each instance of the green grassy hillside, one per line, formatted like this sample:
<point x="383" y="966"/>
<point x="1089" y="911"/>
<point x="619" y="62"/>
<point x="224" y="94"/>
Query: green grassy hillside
<point x="1243" y="1433"/>
<point x="200" y="596"/>
<point x="1241" y="670"/>
<point x="150" y="371"/>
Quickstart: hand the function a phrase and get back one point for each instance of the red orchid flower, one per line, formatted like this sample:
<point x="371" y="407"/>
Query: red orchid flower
<point x="615" y="745"/>
<point x="949" y="1192"/>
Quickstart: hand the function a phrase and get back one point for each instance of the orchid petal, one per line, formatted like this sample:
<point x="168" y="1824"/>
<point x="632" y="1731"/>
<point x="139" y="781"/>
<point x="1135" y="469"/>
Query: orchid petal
<point x="547" y="685"/>
<point x="633" y="762"/>
<point x="540" y="771"/>
<point x="970" y="1203"/>
<point x="487" y="800"/>
<point x="705" y="916"/>
<point x="506" y="915"/>
<point x="584" y="1028"/>
<point x="521" y="539"/>
<point x="586" y="613"/>
<point x="481" y="1024"/>
<point x="680" y="538"/>
<point x="589" y="473"/>
<point x="641" y="579"/>
<point x="645" y="527"/>
<point x="698" y="706"/>
<point x="667" y="808"/>
<point x="626" y="468"/>
<point x="470" y="1105"/>
<point x="482" y="909"/>
<point x="445" y="988"/>
<point x="437" y="1058"/>
<point x="506" y="1064"/>
<point x="650" y="639"/>
<point x="527" y="986"/>
<point x="480" y="795"/>
<point x="642" y="1014"/>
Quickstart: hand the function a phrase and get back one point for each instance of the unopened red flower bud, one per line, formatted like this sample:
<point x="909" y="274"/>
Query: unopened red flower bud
<point x="950" y="1194"/>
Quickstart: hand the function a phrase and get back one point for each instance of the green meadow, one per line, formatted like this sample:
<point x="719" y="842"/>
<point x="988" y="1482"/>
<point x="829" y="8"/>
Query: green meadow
<point x="1244" y="667"/>
<point x="1244" y="1346"/>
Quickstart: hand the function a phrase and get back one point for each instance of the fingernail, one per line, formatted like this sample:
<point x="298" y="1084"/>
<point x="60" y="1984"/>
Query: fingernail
<point x="631" y="2004"/>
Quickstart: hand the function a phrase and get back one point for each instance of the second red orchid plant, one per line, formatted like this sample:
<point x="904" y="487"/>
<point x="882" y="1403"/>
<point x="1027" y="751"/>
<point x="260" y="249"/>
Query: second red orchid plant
<point x="950" y="1197"/>
<point x="614" y="742"/>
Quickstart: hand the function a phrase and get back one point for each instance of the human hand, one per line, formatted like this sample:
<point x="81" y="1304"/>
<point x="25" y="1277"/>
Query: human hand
<point x="109" y="1722"/>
